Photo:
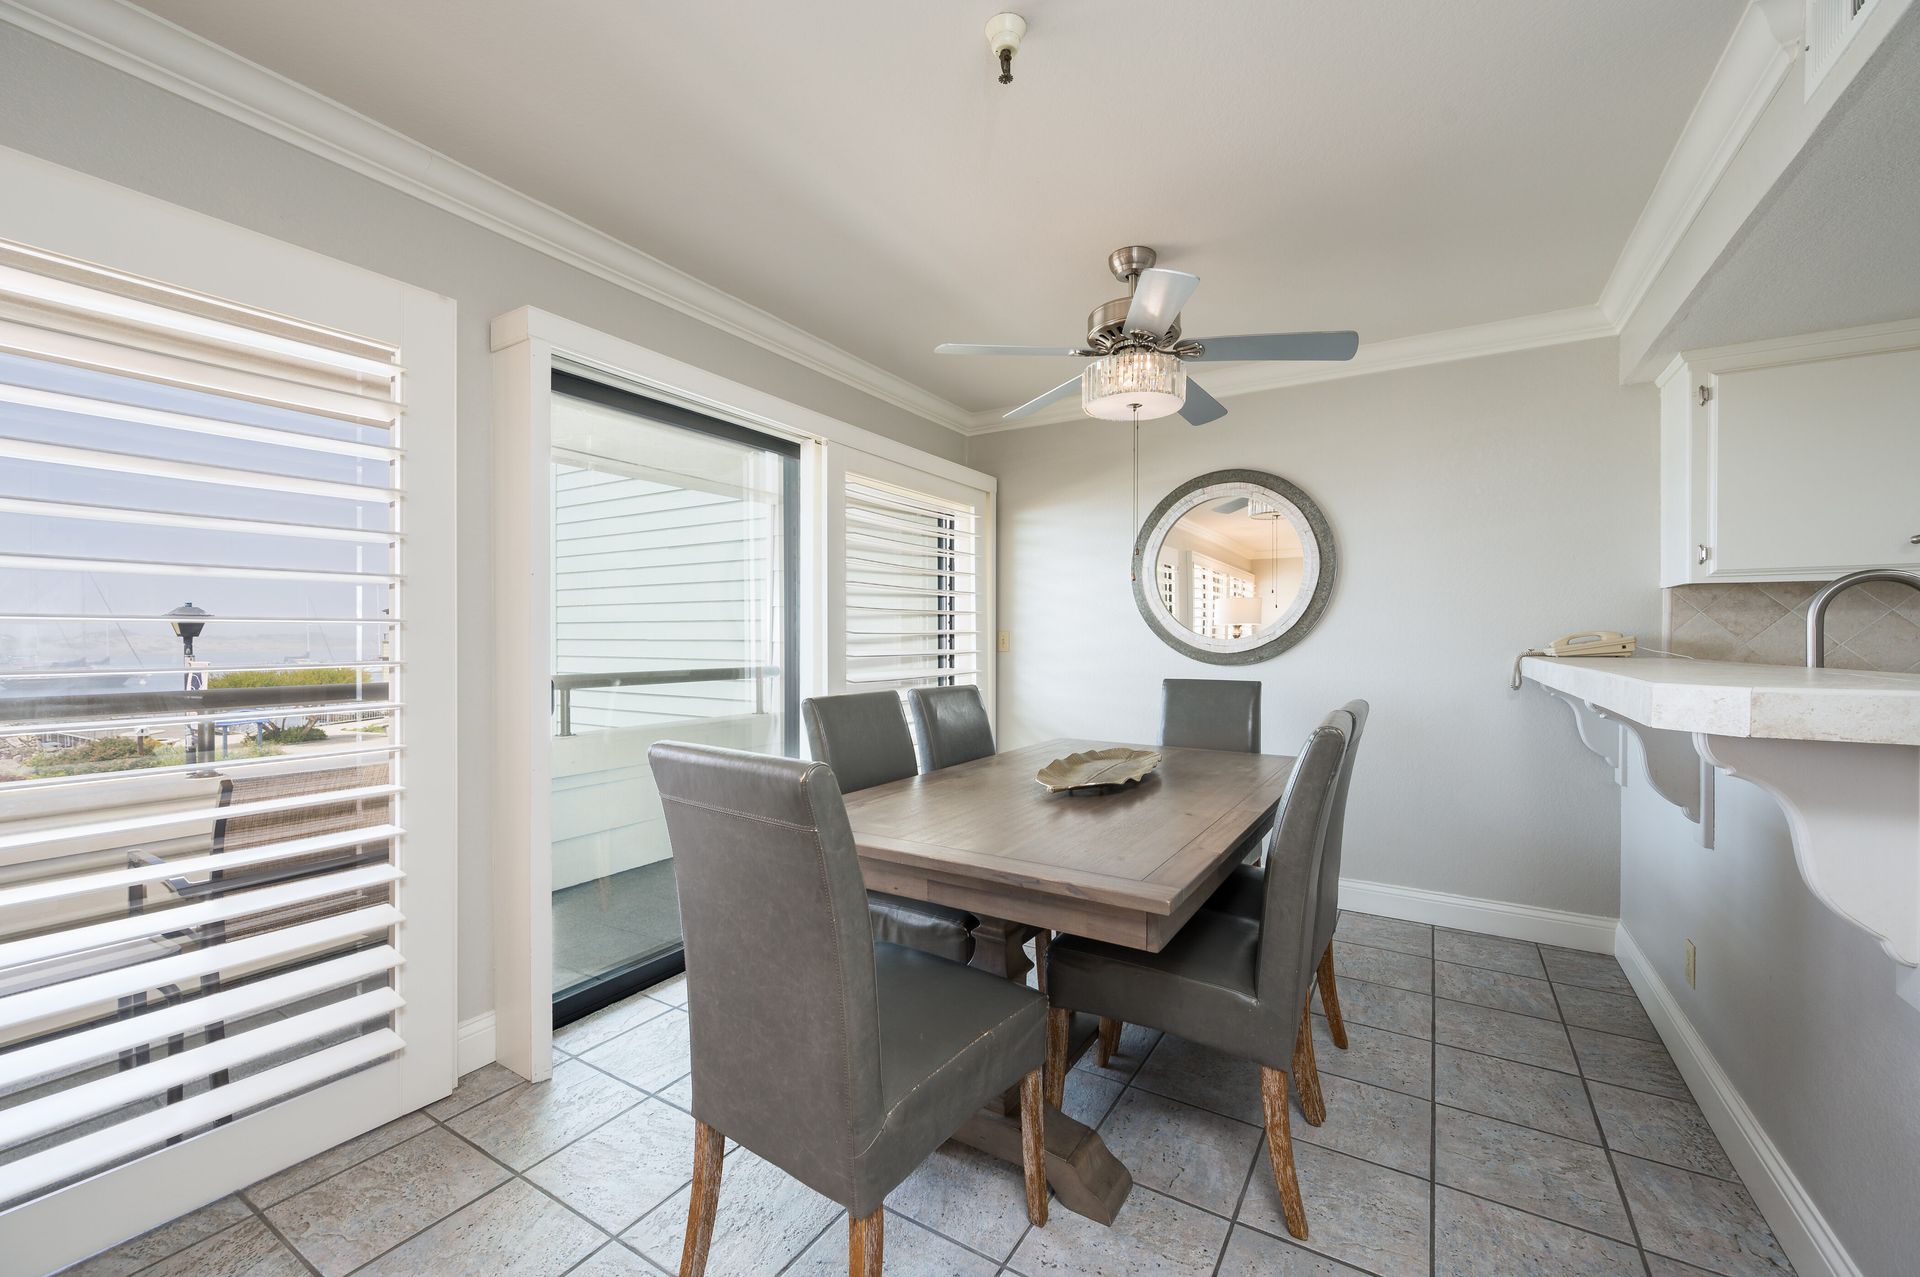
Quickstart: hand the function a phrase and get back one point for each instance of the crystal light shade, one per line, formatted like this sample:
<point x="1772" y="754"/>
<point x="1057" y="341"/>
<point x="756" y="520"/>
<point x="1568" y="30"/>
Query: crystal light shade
<point x="1114" y="385"/>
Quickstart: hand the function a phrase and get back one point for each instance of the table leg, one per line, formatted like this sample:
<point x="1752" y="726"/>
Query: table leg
<point x="1088" y="1179"/>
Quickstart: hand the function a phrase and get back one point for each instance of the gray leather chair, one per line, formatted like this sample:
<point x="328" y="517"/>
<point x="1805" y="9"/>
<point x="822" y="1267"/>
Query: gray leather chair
<point x="1245" y="892"/>
<point x="841" y="1061"/>
<point x="1236" y="984"/>
<point x="949" y="726"/>
<point x="864" y="738"/>
<point x="1205" y="713"/>
<point x="1210" y="713"/>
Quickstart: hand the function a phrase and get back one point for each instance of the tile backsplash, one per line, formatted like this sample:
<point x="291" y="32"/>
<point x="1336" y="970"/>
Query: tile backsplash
<point x="1870" y="627"/>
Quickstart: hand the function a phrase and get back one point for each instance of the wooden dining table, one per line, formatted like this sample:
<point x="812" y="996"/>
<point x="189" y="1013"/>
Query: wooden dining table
<point x="1129" y="867"/>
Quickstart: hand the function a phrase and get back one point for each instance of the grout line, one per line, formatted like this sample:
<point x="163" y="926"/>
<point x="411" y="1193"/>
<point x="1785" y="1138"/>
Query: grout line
<point x="841" y="1214"/>
<point x="374" y="1259"/>
<point x="1626" y="1207"/>
<point x="1433" y="1124"/>
<point x="1240" y="1204"/>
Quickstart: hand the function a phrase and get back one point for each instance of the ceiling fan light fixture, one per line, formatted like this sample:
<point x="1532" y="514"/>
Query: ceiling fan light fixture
<point x="1151" y="382"/>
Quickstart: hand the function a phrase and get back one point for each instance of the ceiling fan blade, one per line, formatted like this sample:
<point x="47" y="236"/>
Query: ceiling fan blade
<point x="1201" y="407"/>
<point x="1328" y="346"/>
<point x="1158" y="296"/>
<point x="973" y="348"/>
<point x="1068" y="387"/>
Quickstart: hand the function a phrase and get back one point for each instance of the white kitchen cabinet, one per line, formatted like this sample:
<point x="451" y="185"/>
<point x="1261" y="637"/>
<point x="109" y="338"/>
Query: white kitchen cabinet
<point x="1796" y="459"/>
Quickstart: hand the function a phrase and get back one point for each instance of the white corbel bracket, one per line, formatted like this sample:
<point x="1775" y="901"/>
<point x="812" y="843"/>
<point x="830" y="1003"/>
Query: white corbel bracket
<point x="1596" y="733"/>
<point x="1667" y="759"/>
<point x="1853" y="811"/>
<point x="1674" y="770"/>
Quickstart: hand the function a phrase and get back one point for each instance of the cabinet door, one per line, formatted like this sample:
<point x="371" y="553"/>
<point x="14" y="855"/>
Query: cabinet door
<point x="1816" y="467"/>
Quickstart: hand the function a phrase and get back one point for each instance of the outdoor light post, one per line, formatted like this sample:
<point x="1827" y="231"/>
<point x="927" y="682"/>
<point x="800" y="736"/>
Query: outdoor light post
<point x="188" y="621"/>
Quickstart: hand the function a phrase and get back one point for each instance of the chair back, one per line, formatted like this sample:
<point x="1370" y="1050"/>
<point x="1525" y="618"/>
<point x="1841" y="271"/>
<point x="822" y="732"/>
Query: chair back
<point x="862" y="736"/>
<point x="1327" y="915"/>
<point x="1210" y="713"/>
<point x="780" y="977"/>
<point x="949" y="725"/>
<point x="1287" y="957"/>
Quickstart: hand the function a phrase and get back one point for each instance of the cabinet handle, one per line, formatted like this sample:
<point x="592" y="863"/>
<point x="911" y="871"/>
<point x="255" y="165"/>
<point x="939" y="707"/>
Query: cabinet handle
<point x="1706" y="551"/>
<point x="1914" y="539"/>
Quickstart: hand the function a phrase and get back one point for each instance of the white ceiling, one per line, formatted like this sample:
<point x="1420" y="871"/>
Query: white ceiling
<point x="855" y="170"/>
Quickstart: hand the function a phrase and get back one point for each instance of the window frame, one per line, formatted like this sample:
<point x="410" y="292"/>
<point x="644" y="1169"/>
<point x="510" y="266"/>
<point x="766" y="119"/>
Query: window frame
<point x="70" y="213"/>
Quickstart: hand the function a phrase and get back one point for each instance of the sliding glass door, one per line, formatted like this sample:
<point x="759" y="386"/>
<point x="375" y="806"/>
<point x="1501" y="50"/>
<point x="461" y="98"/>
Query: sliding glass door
<point x="675" y="543"/>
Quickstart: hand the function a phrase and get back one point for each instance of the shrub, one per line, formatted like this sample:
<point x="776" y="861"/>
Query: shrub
<point x="292" y="676"/>
<point x="286" y="734"/>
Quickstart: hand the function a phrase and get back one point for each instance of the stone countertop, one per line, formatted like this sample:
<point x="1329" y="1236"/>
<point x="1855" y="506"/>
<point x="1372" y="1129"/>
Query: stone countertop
<point x="1733" y="698"/>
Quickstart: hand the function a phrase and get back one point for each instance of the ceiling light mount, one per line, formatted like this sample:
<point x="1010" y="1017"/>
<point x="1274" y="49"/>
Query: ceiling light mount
<point x="1004" y="32"/>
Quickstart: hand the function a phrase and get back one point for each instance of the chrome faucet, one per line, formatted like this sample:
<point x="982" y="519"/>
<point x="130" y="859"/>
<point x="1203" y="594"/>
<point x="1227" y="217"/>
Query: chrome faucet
<point x="1817" y="609"/>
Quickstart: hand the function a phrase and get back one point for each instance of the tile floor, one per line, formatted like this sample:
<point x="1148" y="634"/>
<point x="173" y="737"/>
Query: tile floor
<point x="1504" y="1108"/>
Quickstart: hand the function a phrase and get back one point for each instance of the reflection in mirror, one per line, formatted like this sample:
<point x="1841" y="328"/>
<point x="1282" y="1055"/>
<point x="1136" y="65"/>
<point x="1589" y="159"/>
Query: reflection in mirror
<point x="1239" y="564"/>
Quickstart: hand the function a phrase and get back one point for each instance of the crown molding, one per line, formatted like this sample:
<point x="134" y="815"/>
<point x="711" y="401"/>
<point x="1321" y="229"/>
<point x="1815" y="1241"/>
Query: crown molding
<point x="171" y="58"/>
<point x="1529" y="332"/>
<point x="1763" y="48"/>
<point x="1750" y="71"/>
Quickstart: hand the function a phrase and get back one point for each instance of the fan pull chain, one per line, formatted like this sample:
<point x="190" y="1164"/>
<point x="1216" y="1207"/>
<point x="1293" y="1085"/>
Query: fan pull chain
<point x="1136" y="493"/>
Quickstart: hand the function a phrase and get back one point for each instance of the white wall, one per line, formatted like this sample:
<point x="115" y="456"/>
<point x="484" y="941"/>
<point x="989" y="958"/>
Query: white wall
<point x="76" y="112"/>
<point x="1479" y="508"/>
<point x="1798" y="1007"/>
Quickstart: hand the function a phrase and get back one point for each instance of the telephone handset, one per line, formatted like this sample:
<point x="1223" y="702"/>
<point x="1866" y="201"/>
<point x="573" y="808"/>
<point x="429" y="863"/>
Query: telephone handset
<point x="1590" y="643"/>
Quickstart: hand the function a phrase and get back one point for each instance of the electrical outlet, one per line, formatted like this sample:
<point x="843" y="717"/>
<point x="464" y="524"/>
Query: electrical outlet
<point x="1690" y="958"/>
<point x="1006" y="640"/>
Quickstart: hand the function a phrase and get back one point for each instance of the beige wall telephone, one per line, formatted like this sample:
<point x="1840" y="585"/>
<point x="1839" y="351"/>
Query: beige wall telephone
<point x="1590" y="643"/>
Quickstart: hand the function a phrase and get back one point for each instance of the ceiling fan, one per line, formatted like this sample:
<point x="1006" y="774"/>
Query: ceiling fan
<point x="1139" y="357"/>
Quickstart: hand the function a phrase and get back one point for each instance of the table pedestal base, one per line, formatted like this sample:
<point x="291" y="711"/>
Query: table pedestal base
<point x="1087" y="1178"/>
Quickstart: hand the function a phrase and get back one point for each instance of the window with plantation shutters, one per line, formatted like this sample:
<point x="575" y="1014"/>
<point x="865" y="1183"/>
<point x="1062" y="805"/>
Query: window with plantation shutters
<point x="912" y="588"/>
<point x="202" y="713"/>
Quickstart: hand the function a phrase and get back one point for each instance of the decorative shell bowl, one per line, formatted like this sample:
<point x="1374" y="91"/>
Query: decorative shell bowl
<point x="1098" y="770"/>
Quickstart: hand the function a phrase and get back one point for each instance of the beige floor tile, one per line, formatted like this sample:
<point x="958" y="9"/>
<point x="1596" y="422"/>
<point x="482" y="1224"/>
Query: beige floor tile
<point x="1475" y="1238"/>
<point x="1153" y="1234"/>
<point x="909" y="1250"/>
<point x="168" y="1239"/>
<point x="1251" y="1253"/>
<point x="366" y="1210"/>
<point x="1378" y="1006"/>
<point x="1628" y="1062"/>
<point x="1373" y="1123"/>
<point x="1376" y="1057"/>
<point x="1503" y="1033"/>
<point x="608" y="1022"/>
<point x="1396" y="970"/>
<point x="528" y="1123"/>
<point x="651" y="1056"/>
<point x="1357" y="1212"/>
<point x="1700" y="1220"/>
<point x="1542" y="1174"/>
<point x="1608" y="1012"/>
<point x="247" y="1249"/>
<point x="279" y="1187"/>
<point x="1501" y="990"/>
<point x="1468" y="948"/>
<point x="614" y="1260"/>
<point x="765" y="1218"/>
<point x="1385" y="933"/>
<point x="1185" y="1152"/>
<point x="1544" y="1099"/>
<point x="1660" y="1130"/>
<point x="476" y="1087"/>
<point x="1204" y="1077"/>
<point x="615" y="1174"/>
<point x="514" y="1231"/>
<point x="959" y="1192"/>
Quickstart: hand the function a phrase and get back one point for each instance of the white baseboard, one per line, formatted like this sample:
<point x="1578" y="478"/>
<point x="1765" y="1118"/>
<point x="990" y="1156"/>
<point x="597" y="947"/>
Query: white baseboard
<point x="475" y="1043"/>
<point x="1469" y="913"/>
<point x="1803" y="1232"/>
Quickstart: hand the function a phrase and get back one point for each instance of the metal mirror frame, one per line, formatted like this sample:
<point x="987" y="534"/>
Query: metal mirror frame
<point x="1182" y="499"/>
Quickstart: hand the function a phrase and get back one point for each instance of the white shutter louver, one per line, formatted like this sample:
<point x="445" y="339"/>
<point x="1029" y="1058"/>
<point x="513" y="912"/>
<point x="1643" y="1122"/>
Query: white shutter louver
<point x="200" y="827"/>
<point x="912" y="588"/>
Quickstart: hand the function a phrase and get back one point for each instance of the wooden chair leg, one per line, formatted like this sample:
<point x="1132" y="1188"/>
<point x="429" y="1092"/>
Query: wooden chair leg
<point x="709" y="1148"/>
<point x="1273" y="1099"/>
<point x="1306" y="1074"/>
<point x="1109" y="1040"/>
<point x="1059" y="1021"/>
<point x="1033" y="1147"/>
<point x="1330" y="1000"/>
<point x="865" y="1241"/>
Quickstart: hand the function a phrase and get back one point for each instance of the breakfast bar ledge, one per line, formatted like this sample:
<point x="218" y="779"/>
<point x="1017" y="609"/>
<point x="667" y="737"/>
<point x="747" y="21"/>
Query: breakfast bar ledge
<point x="1839" y="750"/>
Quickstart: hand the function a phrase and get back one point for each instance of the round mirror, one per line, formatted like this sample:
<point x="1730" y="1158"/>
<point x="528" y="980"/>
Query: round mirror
<point x="1234" y="567"/>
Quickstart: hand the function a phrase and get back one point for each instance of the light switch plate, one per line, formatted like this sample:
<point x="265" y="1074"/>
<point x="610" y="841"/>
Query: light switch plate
<point x="1690" y="963"/>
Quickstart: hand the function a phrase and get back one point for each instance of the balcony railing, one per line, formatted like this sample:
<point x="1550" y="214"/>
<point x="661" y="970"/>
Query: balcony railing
<point x="565" y="685"/>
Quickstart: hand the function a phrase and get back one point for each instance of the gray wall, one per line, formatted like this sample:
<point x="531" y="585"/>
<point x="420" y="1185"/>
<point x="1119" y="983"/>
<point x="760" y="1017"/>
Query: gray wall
<point x="1798" y="1007"/>
<point x="1480" y="508"/>
<point x="73" y="111"/>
